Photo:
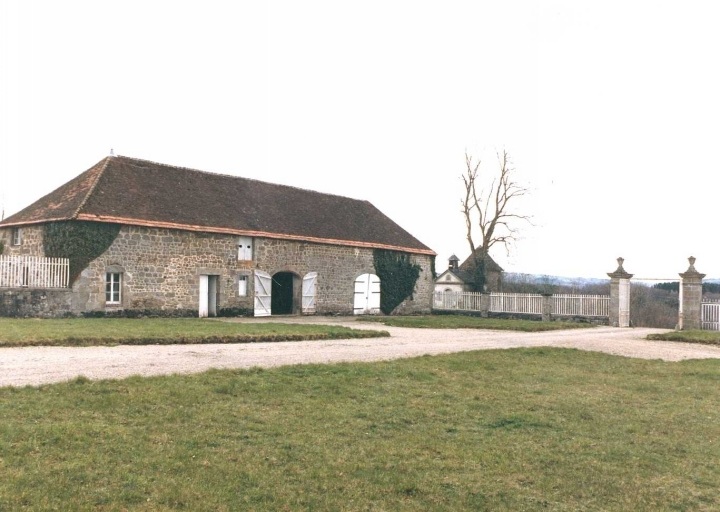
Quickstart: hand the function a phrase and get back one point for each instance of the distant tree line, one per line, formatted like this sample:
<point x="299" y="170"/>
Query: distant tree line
<point x="675" y="287"/>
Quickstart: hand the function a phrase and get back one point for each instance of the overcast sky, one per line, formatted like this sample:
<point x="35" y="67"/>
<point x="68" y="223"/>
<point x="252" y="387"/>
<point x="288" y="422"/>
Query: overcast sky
<point x="609" y="110"/>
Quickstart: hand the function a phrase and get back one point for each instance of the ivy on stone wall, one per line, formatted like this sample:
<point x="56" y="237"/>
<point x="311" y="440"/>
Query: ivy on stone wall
<point x="2" y="247"/>
<point x="79" y="241"/>
<point x="398" y="276"/>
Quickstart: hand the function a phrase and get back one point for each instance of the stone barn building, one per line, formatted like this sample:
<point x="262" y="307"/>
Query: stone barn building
<point x="183" y="241"/>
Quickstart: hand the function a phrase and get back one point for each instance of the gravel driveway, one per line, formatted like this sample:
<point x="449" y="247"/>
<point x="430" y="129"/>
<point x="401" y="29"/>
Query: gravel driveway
<point x="41" y="365"/>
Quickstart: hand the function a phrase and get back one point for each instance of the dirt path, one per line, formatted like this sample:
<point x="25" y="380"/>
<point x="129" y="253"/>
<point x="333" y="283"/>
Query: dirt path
<point x="40" y="365"/>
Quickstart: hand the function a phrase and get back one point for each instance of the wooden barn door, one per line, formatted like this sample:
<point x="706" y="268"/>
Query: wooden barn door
<point x="263" y="291"/>
<point x="367" y="295"/>
<point x="309" y="292"/>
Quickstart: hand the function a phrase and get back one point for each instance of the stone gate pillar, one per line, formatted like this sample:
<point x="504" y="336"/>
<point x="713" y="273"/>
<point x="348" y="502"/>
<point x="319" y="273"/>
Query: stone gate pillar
<point x="619" y="314"/>
<point x="690" y="315"/>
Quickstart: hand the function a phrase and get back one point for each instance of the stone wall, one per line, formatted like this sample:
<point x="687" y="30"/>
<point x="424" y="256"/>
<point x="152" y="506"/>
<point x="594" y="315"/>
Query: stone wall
<point x="421" y="299"/>
<point x="38" y="303"/>
<point x="161" y="269"/>
<point x="337" y="267"/>
<point x="31" y="241"/>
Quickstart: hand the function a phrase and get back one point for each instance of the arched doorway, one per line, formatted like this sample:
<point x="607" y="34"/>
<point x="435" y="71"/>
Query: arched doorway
<point x="367" y="295"/>
<point x="283" y="293"/>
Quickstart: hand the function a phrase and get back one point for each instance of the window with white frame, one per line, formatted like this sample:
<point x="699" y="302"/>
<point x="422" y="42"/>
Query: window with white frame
<point x="245" y="248"/>
<point x="113" y="288"/>
<point x="16" y="236"/>
<point x="242" y="286"/>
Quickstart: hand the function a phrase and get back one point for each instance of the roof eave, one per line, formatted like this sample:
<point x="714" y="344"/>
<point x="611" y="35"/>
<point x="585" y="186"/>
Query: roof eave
<point x="21" y="224"/>
<point x="254" y="233"/>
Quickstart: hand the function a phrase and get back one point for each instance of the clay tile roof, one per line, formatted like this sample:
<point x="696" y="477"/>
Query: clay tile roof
<point x="138" y="192"/>
<point x="468" y="266"/>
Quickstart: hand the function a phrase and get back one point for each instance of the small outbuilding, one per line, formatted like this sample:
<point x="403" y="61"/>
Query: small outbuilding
<point x="461" y="277"/>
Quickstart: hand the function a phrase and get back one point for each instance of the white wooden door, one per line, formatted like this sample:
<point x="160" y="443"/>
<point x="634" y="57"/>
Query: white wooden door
<point x="309" y="292"/>
<point x="263" y="291"/>
<point x="203" y="309"/>
<point x="367" y="295"/>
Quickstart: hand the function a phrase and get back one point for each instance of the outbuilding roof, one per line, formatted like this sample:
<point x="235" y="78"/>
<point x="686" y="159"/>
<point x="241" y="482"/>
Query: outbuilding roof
<point x="131" y="191"/>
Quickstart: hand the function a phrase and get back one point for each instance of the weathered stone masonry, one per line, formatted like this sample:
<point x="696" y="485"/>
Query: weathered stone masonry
<point x="161" y="269"/>
<point x="32" y="242"/>
<point x="337" y="267"/>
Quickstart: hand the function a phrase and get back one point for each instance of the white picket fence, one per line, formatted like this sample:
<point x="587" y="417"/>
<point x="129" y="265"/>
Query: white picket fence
<point x="581" y="305"/>
<point x="34" y="272"/>
<point x="529" y="303"/>
<point x="459" y="301"/>
<point x="710" y="320"/>
<point x="525" y="303"/>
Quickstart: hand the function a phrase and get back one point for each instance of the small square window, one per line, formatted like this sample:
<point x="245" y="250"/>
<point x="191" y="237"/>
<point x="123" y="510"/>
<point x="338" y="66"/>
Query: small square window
<point x="16" y="236"/>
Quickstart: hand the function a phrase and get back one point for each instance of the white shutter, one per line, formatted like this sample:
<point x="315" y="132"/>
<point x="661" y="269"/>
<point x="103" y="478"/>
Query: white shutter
<point x="374" y="295"/>
<point x="367" y="295"/>
<point x="244" y="248"/>
<point x="309" y="292"/>
<point x="263" y="290"/>
<point x="203" y="309"/>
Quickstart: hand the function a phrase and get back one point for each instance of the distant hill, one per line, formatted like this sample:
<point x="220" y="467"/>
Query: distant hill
<point x="539" y="279"/>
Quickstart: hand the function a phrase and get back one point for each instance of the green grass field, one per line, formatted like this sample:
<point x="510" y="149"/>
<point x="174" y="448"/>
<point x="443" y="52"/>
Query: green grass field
<point x="693" y="336"/>
<point x="146" y="331"/>
<point x="521" y="429"/>
<point x="472" y="322"/>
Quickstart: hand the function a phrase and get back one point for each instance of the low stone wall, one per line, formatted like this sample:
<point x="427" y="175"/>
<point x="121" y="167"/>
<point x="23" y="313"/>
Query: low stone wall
<point x="38" y="303"/>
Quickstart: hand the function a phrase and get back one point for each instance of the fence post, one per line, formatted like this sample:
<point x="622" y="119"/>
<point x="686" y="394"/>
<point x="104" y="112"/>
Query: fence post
<point x="619" y="313"/>
<point x="547" y="300"/>
<point x="690" y="314"/>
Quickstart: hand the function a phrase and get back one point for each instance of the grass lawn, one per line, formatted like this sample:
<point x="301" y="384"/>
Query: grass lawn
<point x="144" y="331"/>
<point x="521" y="429"/>
<point x="472" y="322"/>
<point x="694" y="336"/>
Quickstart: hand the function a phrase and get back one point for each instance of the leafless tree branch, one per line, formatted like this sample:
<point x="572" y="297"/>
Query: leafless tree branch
<point x="490" y="210"/>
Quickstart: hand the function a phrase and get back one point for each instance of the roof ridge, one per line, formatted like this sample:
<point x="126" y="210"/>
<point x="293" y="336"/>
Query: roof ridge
<point x="92" y="188"/>
<point x="239" y="177"/>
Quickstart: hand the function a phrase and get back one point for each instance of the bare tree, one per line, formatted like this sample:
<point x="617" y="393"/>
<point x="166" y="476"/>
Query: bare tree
<point x="490" y="210"/>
